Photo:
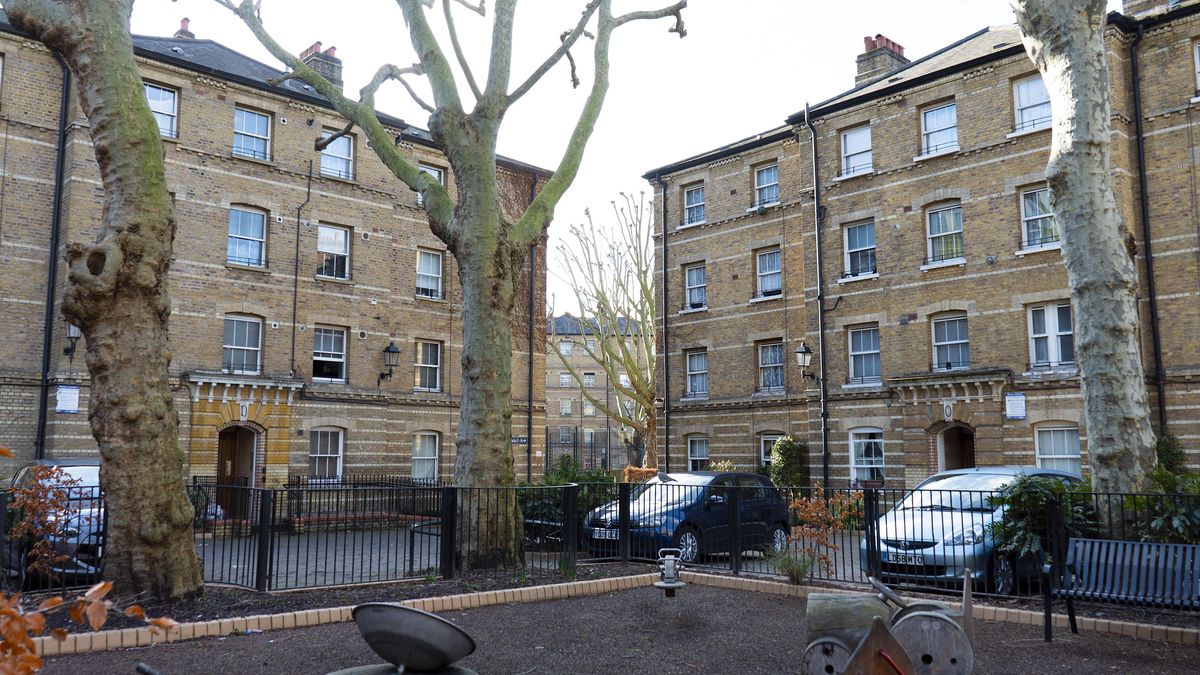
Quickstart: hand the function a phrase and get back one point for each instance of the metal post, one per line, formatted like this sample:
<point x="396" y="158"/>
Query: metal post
<point x="570" y="528"/>
<point x="623" y="491"/>
<point x="735" y="529"/>
<point x="871" y="531"/>
<point x="448" y="528"/>
<point x="262" y="571"/>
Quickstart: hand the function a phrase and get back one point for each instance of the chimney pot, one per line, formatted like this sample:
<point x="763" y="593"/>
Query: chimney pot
<point x="882" y="55"/>
<point x="324" y="62"/>
<point x="332" y="51"/>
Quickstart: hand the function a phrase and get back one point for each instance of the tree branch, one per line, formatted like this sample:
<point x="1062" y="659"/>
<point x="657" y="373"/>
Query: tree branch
<point x="567" y="42"/>
<point x="675" y="10"/>
<point x="500" y="65"/>
<point x="391" y="72"/>
<point x="323" y="142"/>
<point x="458" y="52"/>
<point x="433" y="61"/>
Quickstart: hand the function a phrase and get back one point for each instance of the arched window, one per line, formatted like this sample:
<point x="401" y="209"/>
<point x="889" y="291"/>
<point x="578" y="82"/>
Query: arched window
<point x="1057" y="445"/>
<point x="325" y="452"/>
<point x="246" y="243"/>
<point x="425" y="455"/>
<point x="697" y="453"/>
<point x="766" y="442"/>
<point x="866" y="454"/>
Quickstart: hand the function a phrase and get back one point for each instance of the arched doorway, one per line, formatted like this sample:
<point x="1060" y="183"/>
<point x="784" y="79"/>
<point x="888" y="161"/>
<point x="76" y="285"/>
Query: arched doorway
<point x="236" y="448"/>
<point x="956" y="448"/>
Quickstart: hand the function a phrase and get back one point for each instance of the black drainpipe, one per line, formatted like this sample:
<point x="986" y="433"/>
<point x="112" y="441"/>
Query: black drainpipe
<point x="1159" y="376"/>
<point x="666" y="332"/>
<point x="39" y="447"/>
<point x="823" y="384"/>
<point x="532" y="314"/>
<point x="296" y="269"/>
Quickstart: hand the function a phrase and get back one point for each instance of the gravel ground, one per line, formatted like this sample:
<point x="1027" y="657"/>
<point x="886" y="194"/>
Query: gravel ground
<point x="702" y="630"/>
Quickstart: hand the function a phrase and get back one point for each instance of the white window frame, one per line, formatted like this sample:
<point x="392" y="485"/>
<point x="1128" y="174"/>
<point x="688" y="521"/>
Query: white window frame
<point x="864" y="468"/>
<point x="589" y="408"/>
<point x="591" y="345"/>
<point x="694" y="370"/>
<point x="1020" y="124"/>
<point x="564" y="381"/>
<point x="852" y="162"/>
<point x="566" y="435"/>
<point x="566" y="406"/>
<point x="329" y="254"/>
<point x="331" y="153"/>
<point x="848" y="256"/>
<point x="324" y="436"/>
<point x="1053" y="334"/>
<point x="424" y="459"/>
<point x="926" y="132"/>
<point x="765" y="367"/>
<point x="437" y="172"/>
<point x="565" y="347"/>
<point x="253" y="135"/>
<point x="1027" y="218"/>
<point x="1196" y="66"/>
<point x="330" y="355"/>
<point x="227" y="364"/>
<point x="161" y="114"/>
<point x="1042" y="457"/>
<point x="766" y="188"/>
<point x="857" y="377"/>
<point x="432" y="287"/>
<point x="766" y="443"/>
<point x="934" y="259"/>
<point x="589" y="380"/>
<point x="938" y="364"/>
<point x="420" y="366"/>
<point x="762" y="275"/>
<point x="695" y="294"/>
<point x="693" y="205"/>
<point x="232" y="239"/>
<point x="698" y="461"/>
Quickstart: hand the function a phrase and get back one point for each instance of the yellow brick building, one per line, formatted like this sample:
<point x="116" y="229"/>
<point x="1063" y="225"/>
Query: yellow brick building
<point x="901" y="232"/>
<point x="297" y="275"/>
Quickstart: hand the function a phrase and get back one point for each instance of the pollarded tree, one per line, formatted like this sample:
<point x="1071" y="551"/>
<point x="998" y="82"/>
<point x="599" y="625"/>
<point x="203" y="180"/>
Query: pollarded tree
<point x="1065" y="39"/>
<point x="117" y="296"/>
<point x="613" y="281"/>
<point x="489" y="248"/>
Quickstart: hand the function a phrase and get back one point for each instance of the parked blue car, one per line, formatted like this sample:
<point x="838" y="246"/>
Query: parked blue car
<point x="690" y="511"/>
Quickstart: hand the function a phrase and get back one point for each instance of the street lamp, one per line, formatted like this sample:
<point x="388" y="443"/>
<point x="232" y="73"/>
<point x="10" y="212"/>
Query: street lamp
<point x="73" y="335"/>
<point x="804" y="356"/>
<point x="391" y="359"/>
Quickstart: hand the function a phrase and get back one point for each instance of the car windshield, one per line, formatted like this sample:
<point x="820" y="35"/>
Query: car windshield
<point x="82" y="476"/>
<point x="659" y="494"/>
<point x="965" y="492"/>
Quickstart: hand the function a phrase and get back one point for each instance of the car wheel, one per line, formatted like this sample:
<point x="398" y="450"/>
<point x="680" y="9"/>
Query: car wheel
<point x="1001" y="575"/>
<point x="687" y="540"/>
<point x="779" y="539"/>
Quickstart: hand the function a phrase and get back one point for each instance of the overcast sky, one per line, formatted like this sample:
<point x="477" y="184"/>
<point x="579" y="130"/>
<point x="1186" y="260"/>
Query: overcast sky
<point x="744" y="66"/>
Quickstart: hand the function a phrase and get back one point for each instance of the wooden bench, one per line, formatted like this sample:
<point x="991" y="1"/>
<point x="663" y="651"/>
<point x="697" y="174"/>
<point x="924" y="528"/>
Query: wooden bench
<point x="1124" y="572"/>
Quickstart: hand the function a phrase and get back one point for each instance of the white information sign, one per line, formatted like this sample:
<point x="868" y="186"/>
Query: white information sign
<point x="66" y="399"/>
<point x="1014" y="405"/>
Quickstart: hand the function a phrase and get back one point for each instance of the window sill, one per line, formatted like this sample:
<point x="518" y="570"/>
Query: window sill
<point x="339" y="179"/>
<point x="693" y="398"/>
<point x="1026" y="132"/>
<point x="768" y="393"/>
<point x="325" y="380"/>
<point x="1038" y="249"/>
<point x="418" y="390"/>
<point x="858" y="277"/>
<point x="685" y="226"/>
<point x="1194" y="99"/>
<point x="169" y="139"/>
<point x="426" y="298"/>
<point x="261" y="269"/>
<point x="333" y="280"/>
<point x="856" y="174"/>
<point x="877" y="386"/>
<point x="1062" y="371"/>
<point x="937" y="153"/>
<point x="763" y="207"/>
<point x="953" y="262"/>
<point x="765" y="298"/>
<point x="254" y="160"/>
<point x="694" y="310"/>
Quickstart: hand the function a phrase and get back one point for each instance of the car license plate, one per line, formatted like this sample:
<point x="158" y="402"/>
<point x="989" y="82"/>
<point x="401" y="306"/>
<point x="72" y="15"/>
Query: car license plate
<point x="606" y="534"/>
<point x="905" y="558"/>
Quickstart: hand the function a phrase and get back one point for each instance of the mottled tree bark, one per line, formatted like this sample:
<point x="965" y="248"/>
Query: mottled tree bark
<point x="117" y="295"/>
<point x="1065" y="39"/>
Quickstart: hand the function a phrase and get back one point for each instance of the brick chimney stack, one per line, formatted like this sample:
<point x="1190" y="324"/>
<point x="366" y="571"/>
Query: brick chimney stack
<point x="183" y="31"/>
<point x="881" y="56"/>
<point x="325" y="62"/>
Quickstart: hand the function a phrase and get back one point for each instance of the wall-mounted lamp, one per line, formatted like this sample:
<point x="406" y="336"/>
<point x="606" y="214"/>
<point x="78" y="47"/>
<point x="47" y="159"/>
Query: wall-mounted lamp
<point x="73" y="335"/>
<point x="804" y="359"/>
<point x="391" y="359"/>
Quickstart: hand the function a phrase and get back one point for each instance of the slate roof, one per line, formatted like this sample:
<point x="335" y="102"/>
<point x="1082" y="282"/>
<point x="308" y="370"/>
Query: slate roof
<point x="565" y="324"/>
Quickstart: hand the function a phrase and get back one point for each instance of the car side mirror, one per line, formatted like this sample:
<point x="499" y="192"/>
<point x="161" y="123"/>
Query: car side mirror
<point x="716" y="499"/>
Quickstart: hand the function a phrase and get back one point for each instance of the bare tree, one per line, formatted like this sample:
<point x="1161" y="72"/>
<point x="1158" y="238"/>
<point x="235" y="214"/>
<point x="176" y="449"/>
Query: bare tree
<point x="488" y="247"/>
<point x="1065" y="39"/>
<point x="117" y="296"/>
<point x="613" y="281"/>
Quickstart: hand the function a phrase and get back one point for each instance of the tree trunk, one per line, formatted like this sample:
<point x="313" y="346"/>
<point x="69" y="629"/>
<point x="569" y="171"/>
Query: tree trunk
<point x="1065" y="39"/>
<point x="117" y="296"/>
<point x="650" y="458"/>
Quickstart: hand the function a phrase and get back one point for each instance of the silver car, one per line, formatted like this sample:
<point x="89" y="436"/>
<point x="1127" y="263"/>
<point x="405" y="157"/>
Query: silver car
<point x="78" y="529"/>
<point x="944" y="526"/>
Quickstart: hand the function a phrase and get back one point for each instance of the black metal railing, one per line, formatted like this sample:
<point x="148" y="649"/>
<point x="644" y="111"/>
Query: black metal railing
<point x="938" y="148"/>
<point x="1038" y="242"/>
<point x="1051" y="365"/>
<point x="944" y="257"/>
<point x="944" y="366"/>
<point x="864" y="379"/>
<point x="849" y="274"/>
<point x="1034" y="123"/>
<point x="600" y="449"/>
<point x="772" y="293"/>
<point x="245" y="262"/>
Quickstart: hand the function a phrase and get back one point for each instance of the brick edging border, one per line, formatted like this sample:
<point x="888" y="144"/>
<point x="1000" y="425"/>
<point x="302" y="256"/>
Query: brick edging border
<point x="107" y="640"/>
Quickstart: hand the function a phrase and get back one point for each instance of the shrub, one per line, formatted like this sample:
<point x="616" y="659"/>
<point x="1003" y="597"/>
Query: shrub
<point x="1023" y="529"/>
<point x="722" y="465"/>
<point x="797" y="566"/>
<point x="1171" y="455"/>
<point x="789" y="462"/>
<point x="539" y="501"/>
<point x="639" y="474"/>
<point x="809" y="543"/>
<point x="1173" y="515"/>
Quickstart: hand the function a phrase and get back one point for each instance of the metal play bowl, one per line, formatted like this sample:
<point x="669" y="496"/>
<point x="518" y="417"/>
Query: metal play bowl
<point x="403" y="636"/>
